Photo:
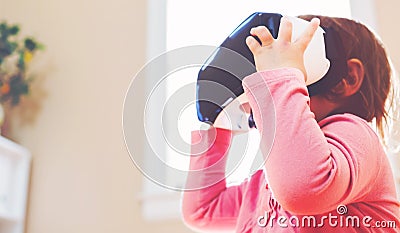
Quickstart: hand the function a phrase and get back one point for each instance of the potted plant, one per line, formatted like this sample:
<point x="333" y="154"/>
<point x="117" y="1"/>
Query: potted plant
<point x="15" y="55"/>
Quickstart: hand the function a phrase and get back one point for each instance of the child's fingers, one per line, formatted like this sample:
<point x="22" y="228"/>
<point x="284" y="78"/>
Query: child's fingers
<point x="308" y="34"/>
<point x="285" y="30"/>
<point x="263" y="34"/>
<point x="253" y="44"/>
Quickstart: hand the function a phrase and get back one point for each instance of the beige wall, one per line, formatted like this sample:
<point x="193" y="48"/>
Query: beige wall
<point x="387" y="19"/>
<point x="387" y="14"/>
<point x="82" y="178"/>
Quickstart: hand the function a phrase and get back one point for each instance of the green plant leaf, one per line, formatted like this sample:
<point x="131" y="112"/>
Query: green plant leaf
<point x="13" y="30"/>
<point x="21" y="61"/>
<point x="30" y="44"/>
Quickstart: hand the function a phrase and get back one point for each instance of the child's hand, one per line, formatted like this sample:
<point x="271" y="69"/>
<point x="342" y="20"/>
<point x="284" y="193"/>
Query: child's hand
<point x="280" y="52"/>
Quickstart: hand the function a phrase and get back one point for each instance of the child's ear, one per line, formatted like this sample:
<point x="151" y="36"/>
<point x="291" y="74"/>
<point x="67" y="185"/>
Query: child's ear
<point x="350" y="84"/>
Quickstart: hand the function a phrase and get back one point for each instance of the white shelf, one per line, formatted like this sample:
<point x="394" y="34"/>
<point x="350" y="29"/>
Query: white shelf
<point x="15" y="162"/>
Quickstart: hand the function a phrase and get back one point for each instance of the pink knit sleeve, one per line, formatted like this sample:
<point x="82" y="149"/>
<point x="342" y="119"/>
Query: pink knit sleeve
<point x="209" y="204"/>
<point x="310" y="168"/>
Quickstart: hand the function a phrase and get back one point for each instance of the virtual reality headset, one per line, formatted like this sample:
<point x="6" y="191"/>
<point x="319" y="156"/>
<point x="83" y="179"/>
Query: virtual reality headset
<point x="219" y="82"/>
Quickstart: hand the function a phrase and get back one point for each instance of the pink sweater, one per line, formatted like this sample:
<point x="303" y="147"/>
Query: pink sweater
<point x="312" y="169"/>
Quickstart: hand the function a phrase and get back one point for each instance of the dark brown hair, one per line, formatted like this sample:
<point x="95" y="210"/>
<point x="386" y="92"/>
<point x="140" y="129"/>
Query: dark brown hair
<point x="359" y="42"/>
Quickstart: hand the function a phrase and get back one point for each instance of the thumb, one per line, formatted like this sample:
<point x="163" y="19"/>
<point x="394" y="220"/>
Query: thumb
<point x="308" y="34"/>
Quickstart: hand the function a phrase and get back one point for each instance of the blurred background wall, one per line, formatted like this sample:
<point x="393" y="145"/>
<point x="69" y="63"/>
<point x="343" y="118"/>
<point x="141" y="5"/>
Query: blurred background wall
<point x="82" y="178"/>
